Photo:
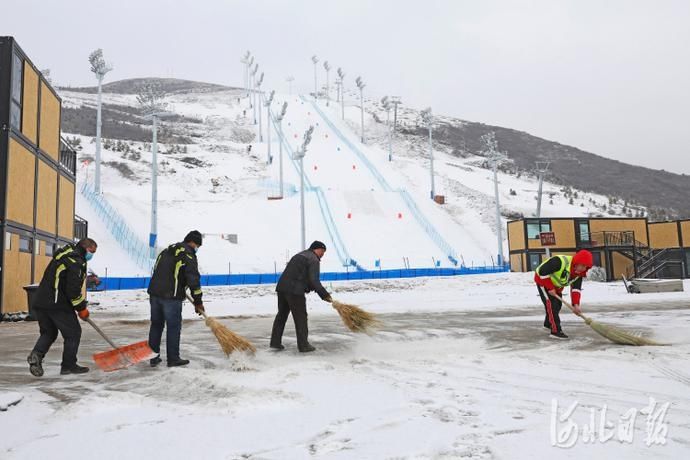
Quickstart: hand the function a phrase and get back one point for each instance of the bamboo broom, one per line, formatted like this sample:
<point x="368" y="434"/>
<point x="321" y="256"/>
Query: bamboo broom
<point x="356" y="319"/>
<point x="612" y="333"/>
<point x="228" y="340"/>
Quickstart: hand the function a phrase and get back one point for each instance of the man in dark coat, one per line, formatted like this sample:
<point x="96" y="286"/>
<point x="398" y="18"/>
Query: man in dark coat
<point x="176" y="269"/>
<point x="301" y="275"/>
<point x="59" y="294"/>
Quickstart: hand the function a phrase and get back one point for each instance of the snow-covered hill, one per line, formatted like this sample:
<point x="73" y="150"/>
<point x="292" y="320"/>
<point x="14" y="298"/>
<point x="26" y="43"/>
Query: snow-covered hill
<point x="370" y="212"/>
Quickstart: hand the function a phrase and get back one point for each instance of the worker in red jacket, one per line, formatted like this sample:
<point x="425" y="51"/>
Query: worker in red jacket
<point x="552" y="276"/>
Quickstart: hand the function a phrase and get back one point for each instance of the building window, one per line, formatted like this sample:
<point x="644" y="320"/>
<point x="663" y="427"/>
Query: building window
<point x="535" y="227"/>
<point x="534" y="261"/>
<point x="583" y="231"/>
<point x="16" y="102"/>
<point x="50" y="249"/>
<point x="8" y="241"/>
<point x="24" y="244"/>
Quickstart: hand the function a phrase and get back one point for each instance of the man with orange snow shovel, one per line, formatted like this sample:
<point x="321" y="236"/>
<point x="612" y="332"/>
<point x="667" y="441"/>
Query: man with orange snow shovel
<point x="58" y="296"/>
<point x="552" y="276"/>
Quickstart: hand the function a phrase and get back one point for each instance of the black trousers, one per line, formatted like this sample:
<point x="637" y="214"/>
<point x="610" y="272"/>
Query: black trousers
<point x="297" y="305"/>
<point x="52" y="321"/>
<point x="552" y="319"/>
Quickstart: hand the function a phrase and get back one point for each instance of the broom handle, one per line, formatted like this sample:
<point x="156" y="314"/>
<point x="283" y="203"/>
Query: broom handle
<point x="192" y="302"/>
<point x="571" y="307"/>
<point x="98" y="329"/>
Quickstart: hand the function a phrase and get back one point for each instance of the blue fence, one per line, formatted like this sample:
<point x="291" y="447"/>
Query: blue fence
<point x="114" y="284"/>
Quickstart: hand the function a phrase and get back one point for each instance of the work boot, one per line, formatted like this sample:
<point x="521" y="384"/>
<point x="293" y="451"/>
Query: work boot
<point x="35" y="361"/>
<point x="73" y="369"/>
<point x="558" y="335"/>
<point x="278" y="347"/>
<point x="178" y="362"/>
<point x="155" y="361"/>
<point x="307" y="348"/>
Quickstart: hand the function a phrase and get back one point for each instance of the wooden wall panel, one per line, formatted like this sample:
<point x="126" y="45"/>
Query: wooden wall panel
<point x="66" y="211"/>
<point x="17" y="274"/>
<point x="516" y="262"/>
<point x="564" y="230"/>
<point x="620" y="265"/>
<point x="46" y="209"/>
<point x="516" y="235"/>
<point x="49" y="140"/>
<point x="41" y="261"/>
<point x="30" y="103"/>
<point x="20" y="186"/>
<point x="639" y="226"/>
<point x="685" y="232"/>
<point x="663" y="235"/>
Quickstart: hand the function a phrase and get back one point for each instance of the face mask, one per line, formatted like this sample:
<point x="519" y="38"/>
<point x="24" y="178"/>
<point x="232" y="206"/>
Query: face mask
<point x="88" y="256"/>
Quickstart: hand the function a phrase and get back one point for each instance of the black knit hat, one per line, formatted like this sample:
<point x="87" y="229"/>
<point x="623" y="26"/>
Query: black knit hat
<point x="193" y="237"/>
<point x="317" y="245"/>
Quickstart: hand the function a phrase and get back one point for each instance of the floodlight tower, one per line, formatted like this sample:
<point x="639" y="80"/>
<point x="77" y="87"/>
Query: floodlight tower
<point x="245" y="71"/>
<point x="495" y="157"/>
<point x="258" y="90"/>
<point x="315" y="60"/>
<point x="387" y="105"/>
<point x="361" y="85"/>
<point x="299" y="155"/>
<point x="253" y="101"/>
<point x="268" y="102"/>
<point x="341" y="76"/>
<point x="428" y="119"/>
<point x="327" y="66"/>
<point x="100" y="68"/>
<point x="279" y="121"/>
<point x="542" y="167"/>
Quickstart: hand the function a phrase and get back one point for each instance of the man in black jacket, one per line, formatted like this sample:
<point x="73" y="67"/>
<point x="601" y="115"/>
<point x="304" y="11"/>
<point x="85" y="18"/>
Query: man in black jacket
<point x="59" y="294"/>
<point x="301" y="275"/>
<point x="176" y="269"/>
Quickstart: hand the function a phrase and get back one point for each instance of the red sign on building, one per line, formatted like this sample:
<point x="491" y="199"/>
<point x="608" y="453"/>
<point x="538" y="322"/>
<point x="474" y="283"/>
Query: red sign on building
<point x="547" y="238"/>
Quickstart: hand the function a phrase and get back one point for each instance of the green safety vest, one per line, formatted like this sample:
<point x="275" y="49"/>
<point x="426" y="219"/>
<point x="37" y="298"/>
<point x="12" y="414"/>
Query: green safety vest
<point x="561" y="278"/>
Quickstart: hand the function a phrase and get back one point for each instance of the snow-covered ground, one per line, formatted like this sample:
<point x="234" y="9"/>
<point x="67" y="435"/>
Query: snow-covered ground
<point x="462" y="368"/>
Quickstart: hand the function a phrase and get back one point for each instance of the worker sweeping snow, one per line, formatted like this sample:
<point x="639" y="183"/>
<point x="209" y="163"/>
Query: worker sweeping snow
<point x="552" y="276"/>
<point x="57" y="298"/>
<point x="176" y="269"/>
<point x="301" y="275"/>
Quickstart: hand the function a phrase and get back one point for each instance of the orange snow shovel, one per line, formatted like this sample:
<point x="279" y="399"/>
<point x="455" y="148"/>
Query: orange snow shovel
<point x="122" y="357"/>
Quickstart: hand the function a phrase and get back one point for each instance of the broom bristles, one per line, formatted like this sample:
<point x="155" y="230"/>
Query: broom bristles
<point x="619" y="336"/>
<point x="228" y="340"/>
<point x="356" y="319"/>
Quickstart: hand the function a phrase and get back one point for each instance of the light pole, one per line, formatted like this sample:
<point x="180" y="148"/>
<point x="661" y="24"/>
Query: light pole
<point x="245" y="61"/>
<point x="150" y="98"/>
<point x="258" y="88"/>
<point x="290" y="79"/>
<point x="279" y="120"/>
<point x="252" y="99"/>
<point x="250" y="63"/>
<point x="268" y="125"/>
<point x="385" y="101"/>
<point x="341" y="76"/>
<point x="327" y="66"/>
<point x="100" y="69"/>
<point x="299" y="154"/>
<point x="315" y="60"/>
<point x="495" y="157"/>
<point x="428" y="118"/>
<point x="361" y="85"/>
<point x="542" y="167"/>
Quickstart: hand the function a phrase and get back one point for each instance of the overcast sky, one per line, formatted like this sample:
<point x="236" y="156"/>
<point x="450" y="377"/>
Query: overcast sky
<point x="611" y="77"/>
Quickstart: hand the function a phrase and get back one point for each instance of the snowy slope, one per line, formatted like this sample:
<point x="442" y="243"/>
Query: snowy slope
<point x="361" y="205"/>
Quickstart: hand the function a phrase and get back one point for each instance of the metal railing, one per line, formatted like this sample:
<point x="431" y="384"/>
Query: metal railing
<point x="127" y="238"/>
<point x="81" y="228"/>
<point x="68" y="157"/>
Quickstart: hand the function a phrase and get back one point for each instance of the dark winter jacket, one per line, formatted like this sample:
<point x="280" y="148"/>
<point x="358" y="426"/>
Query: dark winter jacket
<point x="176" y="269"/>
<point x="301" y="275"/>
<point x="62" y="282"/>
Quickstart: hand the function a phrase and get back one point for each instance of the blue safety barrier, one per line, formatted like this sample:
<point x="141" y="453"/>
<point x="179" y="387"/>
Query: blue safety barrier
<point x="116" y="284"/>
